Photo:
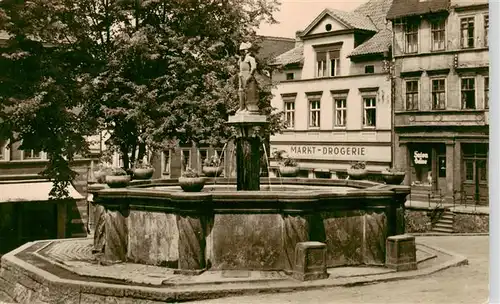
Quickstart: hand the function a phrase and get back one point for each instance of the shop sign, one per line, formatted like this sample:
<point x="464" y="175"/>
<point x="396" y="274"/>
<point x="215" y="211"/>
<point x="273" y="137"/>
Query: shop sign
<point x="420" y="158"/>
<point x="337" y="152"/>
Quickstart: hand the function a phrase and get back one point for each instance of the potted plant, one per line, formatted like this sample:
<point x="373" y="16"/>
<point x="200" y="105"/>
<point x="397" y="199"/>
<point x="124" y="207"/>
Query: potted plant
<point x="212" y="166"/>
<point x="393" y="176"/>
<point x="288" y="166"/>
<point x="117" y="178"/>
<point x="191" y="181"/>
<point x="101" y="172"/>
<point x="142" y="170"/>
<point x="357" y="171"/>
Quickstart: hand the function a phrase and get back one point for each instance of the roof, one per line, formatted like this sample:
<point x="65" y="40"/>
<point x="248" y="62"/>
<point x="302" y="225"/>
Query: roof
<point x="377" y="10"/>
<point x="32" y="191"/>
<point x="271" y="47"/>
<point x="382" y="40"/>
<point x="379" y="43"/>
<point x="368" y="16"/>
<point x="408" y="8"/>
<point x="351" y="20"/>
<point x="295" y="55"/>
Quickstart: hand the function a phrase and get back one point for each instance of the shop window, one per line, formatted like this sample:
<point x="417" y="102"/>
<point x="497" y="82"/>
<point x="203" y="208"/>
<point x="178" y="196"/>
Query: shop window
<point x="467" y="32"/>
<point x="468" y="93"/>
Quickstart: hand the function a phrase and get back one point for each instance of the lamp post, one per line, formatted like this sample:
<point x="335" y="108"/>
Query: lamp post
<point x="389" y="68"/>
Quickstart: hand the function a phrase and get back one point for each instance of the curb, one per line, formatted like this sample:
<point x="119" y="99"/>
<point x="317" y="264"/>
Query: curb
<point x="191" y="293"/>
<point x="451" y="234"/>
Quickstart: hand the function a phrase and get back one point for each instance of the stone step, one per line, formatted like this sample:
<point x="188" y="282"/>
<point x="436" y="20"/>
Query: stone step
<point x="442" y="230"/>
<point x="446" y="221"/>
<point x="450" y="217"/>
<point x="443" y="225"/>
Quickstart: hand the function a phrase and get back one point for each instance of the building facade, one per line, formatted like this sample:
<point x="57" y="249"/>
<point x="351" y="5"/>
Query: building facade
<point x="440" y="50"/>
<point x="335" y="93"/>
<point x="26" y="211"/>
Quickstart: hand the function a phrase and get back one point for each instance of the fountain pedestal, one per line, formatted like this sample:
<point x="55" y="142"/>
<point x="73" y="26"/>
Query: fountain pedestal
<point x="248" y="142"/>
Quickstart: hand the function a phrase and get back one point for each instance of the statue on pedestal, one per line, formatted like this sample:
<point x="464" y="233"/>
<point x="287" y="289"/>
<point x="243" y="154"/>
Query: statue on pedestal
<point x="248" y="91"/>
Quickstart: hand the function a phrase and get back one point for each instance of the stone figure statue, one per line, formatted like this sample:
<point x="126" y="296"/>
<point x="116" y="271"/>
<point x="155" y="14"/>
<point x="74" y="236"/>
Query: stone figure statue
<point x="248" y="91"/>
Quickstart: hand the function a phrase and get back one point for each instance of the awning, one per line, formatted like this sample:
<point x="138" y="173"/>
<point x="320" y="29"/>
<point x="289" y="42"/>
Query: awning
<point x="31" y="191"/>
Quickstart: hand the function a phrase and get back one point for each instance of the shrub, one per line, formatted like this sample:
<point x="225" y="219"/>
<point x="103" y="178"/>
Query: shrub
<point x="189" y="172"/>
<point x="358" y="165"/>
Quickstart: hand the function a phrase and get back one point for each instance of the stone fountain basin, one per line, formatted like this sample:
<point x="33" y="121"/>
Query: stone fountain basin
<point x="224" y="229"/>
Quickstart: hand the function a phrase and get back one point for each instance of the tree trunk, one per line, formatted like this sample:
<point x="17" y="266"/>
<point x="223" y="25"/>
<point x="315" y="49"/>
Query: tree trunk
<point x="142" y="151"/>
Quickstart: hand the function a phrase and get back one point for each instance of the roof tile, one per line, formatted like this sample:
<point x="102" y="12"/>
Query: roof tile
<point x="354" y="20"/>
<point x="295" y="55"/>
<point x="379" y="43"/>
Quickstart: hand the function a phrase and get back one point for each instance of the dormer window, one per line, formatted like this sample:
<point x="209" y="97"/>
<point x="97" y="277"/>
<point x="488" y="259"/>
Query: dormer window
<point x="328" y="61"/>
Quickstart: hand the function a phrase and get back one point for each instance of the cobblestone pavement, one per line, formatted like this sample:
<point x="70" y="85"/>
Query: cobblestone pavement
<point x="464" y="284"/>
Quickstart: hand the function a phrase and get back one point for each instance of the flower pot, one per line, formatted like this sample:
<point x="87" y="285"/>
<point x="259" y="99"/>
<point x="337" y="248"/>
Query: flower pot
<point x="117" y="181"/>
<point x="393" y="178"/>
<point x="212" y="171"/>
<point x="289" y="171"/>
<point x="100" y="176"/>
<point x="192" y="184"/>
<point x="143" y="173"/>
<point x="357" y="174"/>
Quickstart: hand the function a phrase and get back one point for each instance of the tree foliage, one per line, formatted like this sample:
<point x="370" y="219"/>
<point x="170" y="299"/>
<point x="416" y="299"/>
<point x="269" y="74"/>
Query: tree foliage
<point x="152" y="72"/>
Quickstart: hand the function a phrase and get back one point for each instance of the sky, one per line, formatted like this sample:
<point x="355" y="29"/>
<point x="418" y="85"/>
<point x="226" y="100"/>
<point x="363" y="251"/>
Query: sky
<point x="295" y="15"/>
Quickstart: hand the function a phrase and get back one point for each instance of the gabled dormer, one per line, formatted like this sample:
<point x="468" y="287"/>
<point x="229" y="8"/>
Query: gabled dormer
<point x="330" y="38"/>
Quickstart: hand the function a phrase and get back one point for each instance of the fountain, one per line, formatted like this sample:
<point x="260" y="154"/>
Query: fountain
<point x="244" y="227"/>
<point x="155" y="243"/>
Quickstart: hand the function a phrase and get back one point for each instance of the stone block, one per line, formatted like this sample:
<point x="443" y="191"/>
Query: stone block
<point x="247" y="242"/>
<point x="310" y="261"/>
<point x="401" y="252"/>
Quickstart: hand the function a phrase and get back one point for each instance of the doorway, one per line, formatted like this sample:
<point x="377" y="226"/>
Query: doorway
<point x="475" y="173"/>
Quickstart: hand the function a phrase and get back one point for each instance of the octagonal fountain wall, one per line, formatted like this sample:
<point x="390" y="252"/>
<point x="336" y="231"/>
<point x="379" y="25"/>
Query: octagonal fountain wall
<point x="224" y="229"/>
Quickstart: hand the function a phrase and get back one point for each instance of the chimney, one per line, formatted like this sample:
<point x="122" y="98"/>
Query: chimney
<point x="298" y="40"/>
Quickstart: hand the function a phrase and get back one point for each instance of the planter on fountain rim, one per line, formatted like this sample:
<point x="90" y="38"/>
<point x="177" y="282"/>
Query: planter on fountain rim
<point x="289" y="171"/>
<point x="212" y="171"/>
<point x="393" y="178"/>
<point x="191" y="184"/>
<point x="357" y="174"/>
<point x="143" y="173"/>
<point x="117" y="181"/>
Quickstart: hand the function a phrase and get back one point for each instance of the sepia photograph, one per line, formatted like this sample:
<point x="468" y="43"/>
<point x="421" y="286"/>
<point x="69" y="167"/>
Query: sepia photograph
<point x="249" y="151"/>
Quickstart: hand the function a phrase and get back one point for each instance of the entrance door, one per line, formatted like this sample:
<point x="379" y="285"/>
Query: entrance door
<point x="441" y="174"/>
<point x="475" y="185"/>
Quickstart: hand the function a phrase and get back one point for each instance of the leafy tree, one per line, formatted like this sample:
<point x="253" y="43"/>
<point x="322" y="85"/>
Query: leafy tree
<point x="150" y="71"/>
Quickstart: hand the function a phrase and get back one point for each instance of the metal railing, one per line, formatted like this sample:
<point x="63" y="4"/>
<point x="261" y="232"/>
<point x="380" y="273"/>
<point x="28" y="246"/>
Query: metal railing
<point x="464" y="199"/>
